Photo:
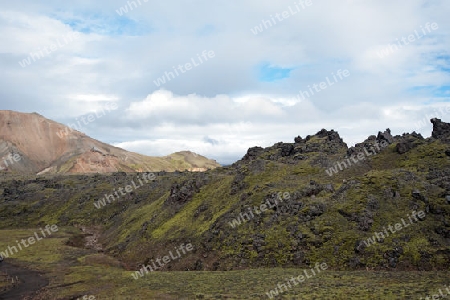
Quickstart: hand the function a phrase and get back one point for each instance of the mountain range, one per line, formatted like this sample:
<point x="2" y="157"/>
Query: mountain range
<point x="32" y="144"/>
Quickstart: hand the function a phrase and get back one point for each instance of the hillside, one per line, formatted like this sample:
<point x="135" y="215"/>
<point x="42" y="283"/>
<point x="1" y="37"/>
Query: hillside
<point x="380" y="206"/>
<point x="32" y="144"/>
<point x="317" y="217"/>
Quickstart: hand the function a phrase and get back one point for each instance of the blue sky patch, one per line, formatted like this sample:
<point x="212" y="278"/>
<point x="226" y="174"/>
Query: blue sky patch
<point x="104" y="25"/>
<point x="442" y="91"/>
<point x="440" y="62"/>
<point x="206" y="30"/>
<point x="443" y="63"/>
<point x="431" y="91"/>
<point x="271" y="73"/>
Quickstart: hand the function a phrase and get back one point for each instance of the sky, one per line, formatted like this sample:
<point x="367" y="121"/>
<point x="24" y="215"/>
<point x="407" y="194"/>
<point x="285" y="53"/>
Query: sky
<point x="218" y="77"/>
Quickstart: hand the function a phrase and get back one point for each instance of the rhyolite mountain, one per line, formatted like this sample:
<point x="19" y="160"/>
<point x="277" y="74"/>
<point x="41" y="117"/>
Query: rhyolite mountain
<point x="43" y="146"/>
<point x="326" y="218"/>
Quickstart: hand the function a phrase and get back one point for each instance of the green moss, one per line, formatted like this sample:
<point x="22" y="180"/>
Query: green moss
<point x="424" y="157"/>
<point x="215" y="196"/>
<point x="413" y="248"/>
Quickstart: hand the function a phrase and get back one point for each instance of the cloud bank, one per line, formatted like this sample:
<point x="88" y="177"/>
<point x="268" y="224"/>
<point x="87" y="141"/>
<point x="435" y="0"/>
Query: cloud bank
<point x="248" y="94"/>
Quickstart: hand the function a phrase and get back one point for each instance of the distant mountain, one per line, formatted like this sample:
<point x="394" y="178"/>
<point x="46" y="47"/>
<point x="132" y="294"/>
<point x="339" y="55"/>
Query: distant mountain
<point x="32" y="144"/>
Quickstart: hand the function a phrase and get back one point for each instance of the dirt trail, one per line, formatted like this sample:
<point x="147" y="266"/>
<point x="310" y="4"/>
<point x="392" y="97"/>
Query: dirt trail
<point x="30" y="282"/>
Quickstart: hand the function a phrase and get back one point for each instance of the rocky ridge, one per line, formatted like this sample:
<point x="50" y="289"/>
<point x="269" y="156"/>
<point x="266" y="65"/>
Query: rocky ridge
<point x="325" y="218"/>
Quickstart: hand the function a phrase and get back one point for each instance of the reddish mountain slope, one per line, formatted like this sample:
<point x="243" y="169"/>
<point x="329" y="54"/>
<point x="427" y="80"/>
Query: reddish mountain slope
<point x="30" y="143"/>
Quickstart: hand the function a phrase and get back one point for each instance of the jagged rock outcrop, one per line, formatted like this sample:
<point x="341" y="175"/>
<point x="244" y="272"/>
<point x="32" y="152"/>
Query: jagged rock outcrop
<point x="385" y="136"/>
<point x="404" y="143"/>
<point x="441" y="130"/>
<point x="407" y="142"/>
<point x="373" y="144"/>
<point x="324" y="141"/>
<point x="253" y="153"/>
<point x="359" y="147"/>
<point x="181" y="193"/>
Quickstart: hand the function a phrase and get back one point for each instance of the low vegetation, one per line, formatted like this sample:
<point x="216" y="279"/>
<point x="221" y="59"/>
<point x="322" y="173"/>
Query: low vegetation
<point x="325" y="219"/>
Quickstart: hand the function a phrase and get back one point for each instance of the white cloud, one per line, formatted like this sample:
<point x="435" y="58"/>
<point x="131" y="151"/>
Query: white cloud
<point x="107" y="64"/>
<point x="232" y="137"/>
<point x="162" y="104"/>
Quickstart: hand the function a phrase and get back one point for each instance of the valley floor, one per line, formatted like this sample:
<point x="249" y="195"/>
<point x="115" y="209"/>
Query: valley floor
<point x="67" y="272"/>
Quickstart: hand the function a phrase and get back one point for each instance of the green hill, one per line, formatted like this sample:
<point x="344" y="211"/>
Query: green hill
<point x="309" y="216"/>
